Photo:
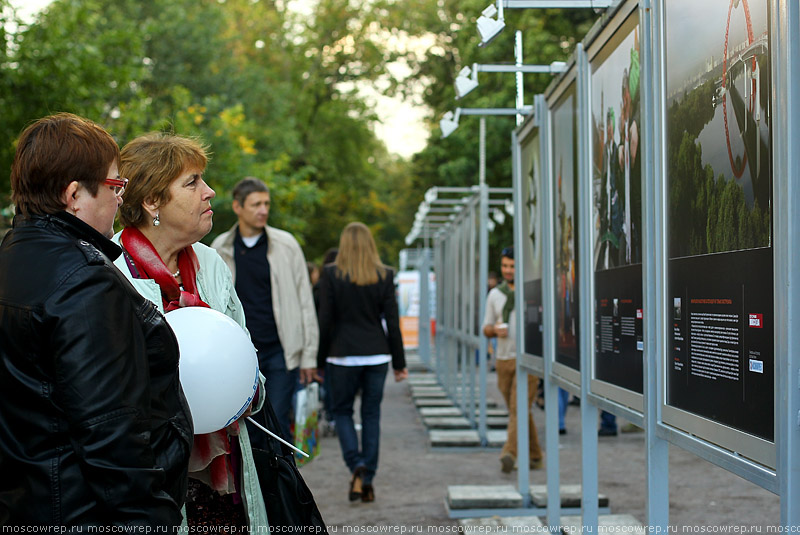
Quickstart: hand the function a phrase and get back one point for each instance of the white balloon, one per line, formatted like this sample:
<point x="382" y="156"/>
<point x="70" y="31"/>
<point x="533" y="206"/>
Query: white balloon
<point x="218" y="366"/>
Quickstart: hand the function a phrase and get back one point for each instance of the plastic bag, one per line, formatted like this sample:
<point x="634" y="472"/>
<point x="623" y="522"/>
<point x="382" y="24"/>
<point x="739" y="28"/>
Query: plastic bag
<point x="306" y="423"/>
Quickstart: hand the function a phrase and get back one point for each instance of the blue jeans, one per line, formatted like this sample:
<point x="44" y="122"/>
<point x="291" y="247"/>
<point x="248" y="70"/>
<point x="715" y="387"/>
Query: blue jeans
<point x="563" y="401"/>
<point x="281" y="385"/>
<point x="344" y="382"/>
<point x="608" y="421"/>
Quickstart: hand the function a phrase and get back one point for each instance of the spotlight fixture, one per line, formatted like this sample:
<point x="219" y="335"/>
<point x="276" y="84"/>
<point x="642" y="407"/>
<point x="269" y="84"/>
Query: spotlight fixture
<point x="489" y="27"/>
<point x="466" y="81"/>
<point x="509" y="206"/>
<point x="449" y="122"/>
<point x="499" y="216"/>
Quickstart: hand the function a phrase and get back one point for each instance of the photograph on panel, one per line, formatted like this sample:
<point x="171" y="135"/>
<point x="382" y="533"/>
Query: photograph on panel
<point x="617" y="208"/>
<point x="531" y="245"/>
<point x="565" y="154"/>
<point x="719" y="200"/>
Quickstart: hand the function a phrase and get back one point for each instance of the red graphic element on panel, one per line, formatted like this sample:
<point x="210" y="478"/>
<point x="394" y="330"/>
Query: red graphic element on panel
<point x="737" y="170"/>
<point x="756" y="320"/>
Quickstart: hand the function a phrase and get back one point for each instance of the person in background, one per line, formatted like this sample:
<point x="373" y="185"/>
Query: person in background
<point x="313" y="272"/>
<point x="499" y="321"/>
<point x="491" y="283"/>
<point x="357" y="292"/>
<point x="271" y="278"/>
<point x="330" y="423"/>
<point x="94" y="426"/>
<point x="491" y="280"/>
<point x="608" y="425"/>
<point x="167" y="211"/>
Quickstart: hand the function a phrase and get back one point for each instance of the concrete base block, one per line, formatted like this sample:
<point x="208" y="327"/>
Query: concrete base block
<point x="499" y="524"/>
<point x="496" y="422"/>
<point x="490" y="404"/>
<point x="427" y="391"/>
<point x="495" y="411"/>
<point x="428" y="412"/>
<point x="467" y="438"/>
<point x="433" y="402"/>
<point x="483" y="497"/>
<point x="422" y="380"/>
<point x="607" y="524"/>
<point x="570" y="496"/>
<point x="415" y="365"/>
<point x="446" y="422"/>
<point x="428" y="395"/>
<point x="496" y="437"/>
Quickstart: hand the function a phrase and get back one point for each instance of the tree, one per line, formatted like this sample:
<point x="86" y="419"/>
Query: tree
<point x="272" y="94"/>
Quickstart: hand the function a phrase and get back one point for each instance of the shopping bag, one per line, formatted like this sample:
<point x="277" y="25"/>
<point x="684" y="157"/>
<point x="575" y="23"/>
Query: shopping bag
<point x="306" y="423"/>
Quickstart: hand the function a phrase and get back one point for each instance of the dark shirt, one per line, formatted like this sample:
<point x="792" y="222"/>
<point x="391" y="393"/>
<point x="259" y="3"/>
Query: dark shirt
<point x="255" y="292"/>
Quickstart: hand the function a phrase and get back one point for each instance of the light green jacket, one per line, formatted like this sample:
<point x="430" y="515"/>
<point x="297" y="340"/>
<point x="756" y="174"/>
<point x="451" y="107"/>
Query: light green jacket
<point x="215" y="285"/>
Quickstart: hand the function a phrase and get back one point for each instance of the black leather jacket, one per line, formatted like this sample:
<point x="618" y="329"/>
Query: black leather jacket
<point x="94" y="426"/>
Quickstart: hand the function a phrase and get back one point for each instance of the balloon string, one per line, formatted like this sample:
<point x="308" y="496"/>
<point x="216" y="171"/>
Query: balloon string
<point x="273" y="435"/>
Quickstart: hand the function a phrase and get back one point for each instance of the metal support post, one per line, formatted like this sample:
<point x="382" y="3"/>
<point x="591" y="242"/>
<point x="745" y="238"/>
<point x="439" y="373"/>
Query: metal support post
<point x="483" y="269"/>
<point x="549" y="320"/>
<point x="586" y="309"/>
<point x="424" y="339"/>
<point x="786" y="50"/>
<point x="482" y="152"/>
<point x="474" y="320"/>
<point x="653" y="263"/>
<point x="518" y="75"/>
<point x="523" y="407"/>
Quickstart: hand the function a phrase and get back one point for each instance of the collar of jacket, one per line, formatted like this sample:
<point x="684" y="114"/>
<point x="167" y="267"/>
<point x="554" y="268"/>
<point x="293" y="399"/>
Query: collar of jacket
<point x="234" y="230"/>
<point x="73" y="226"/>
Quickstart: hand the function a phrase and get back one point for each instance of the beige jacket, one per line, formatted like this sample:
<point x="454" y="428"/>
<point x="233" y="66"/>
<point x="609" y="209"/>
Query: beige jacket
<point x="292" y="301"/>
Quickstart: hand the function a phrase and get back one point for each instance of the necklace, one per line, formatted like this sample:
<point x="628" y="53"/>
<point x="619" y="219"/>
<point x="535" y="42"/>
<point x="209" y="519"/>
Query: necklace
<point x="176" y="273"/>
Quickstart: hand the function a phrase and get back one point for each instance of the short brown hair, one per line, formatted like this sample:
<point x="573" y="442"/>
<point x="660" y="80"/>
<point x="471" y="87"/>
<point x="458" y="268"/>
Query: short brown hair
<point x="54" y="151"/>
<point x="246" y="186"/>
<point x="150" y="163"/>
<point x="358" y="258"/>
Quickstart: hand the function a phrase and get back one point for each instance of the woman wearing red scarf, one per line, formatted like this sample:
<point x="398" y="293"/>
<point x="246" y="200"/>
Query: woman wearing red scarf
<point x="167" y="210"/>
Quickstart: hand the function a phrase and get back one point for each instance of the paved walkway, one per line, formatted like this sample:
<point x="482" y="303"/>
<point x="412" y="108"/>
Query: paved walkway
<point x="412" y="480"/>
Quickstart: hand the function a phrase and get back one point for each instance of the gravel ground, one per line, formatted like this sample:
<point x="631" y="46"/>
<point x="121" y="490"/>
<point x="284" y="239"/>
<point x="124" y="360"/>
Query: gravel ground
<point x="412" y="480"/>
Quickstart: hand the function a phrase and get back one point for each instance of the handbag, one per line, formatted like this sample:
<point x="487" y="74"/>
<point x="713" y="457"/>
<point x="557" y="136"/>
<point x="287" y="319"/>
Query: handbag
<point x="306" y="423"/>
<point x="287" y="498"/>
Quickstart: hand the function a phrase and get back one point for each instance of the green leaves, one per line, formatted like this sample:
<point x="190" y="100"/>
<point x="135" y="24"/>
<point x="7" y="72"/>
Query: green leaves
<point x="273" y="93"/>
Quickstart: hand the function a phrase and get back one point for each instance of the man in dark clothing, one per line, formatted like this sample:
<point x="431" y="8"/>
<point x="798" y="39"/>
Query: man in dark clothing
<point x="271" y="279"/>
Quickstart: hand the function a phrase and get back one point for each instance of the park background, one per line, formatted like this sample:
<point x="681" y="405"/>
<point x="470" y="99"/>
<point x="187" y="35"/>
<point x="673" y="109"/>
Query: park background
<point x="332" y="102"/>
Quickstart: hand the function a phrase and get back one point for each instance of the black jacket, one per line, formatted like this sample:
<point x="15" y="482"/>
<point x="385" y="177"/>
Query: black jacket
<point x="94" y="427"/>
<point x="350" y="319"/>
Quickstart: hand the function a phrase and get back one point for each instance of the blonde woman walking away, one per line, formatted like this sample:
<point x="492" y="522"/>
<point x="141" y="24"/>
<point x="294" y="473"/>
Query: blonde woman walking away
<point x="357" y="295"/>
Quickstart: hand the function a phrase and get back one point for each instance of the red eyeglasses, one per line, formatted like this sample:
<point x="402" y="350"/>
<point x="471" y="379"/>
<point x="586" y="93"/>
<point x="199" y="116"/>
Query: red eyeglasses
<point x="118" y="184"/>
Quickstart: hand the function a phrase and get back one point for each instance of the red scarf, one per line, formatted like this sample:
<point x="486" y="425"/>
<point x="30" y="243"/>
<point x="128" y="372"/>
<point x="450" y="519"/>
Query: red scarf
<point x="210" y="461"/>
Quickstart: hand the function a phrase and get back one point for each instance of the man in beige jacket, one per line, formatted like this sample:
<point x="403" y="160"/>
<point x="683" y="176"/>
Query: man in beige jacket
<point x="271" y="278"/>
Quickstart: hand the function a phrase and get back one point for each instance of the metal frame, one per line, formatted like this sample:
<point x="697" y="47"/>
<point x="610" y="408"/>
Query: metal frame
<point x="460" y="256"/>
<point x="610" y="397"/>
<point x="589" y="486"/>
<point x="564" y="376"/>
<point x="785" y="479"/>
<point x="786" y="122"/>
<point x="653" y="274"/>
<point x="744" y="454"/>
<point x="531" y="129"/>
